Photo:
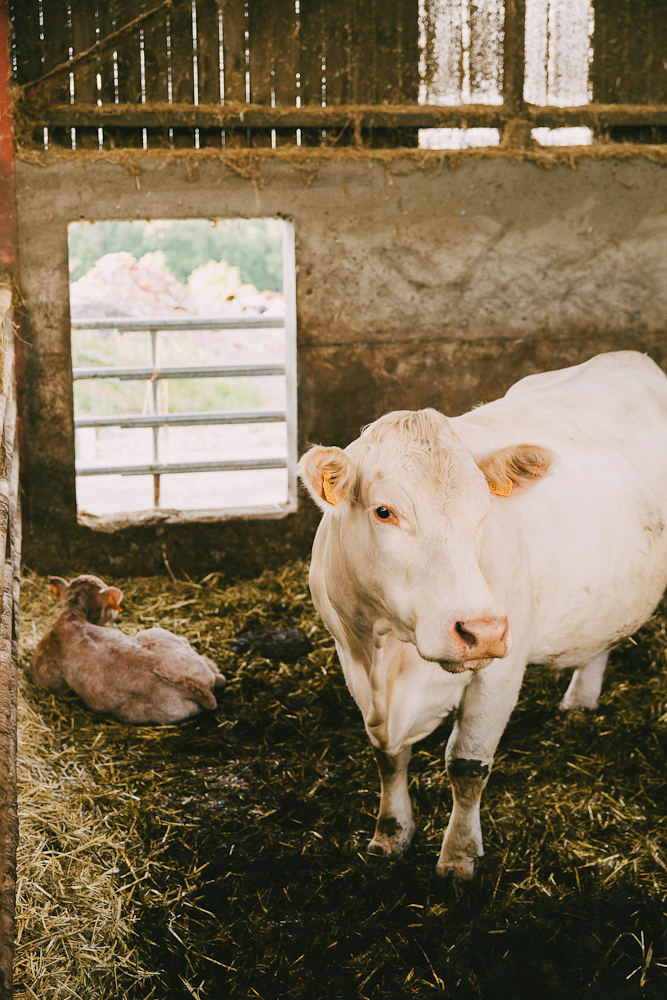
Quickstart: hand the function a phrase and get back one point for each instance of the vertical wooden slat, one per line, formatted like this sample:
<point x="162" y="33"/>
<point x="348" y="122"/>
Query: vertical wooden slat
<point x="84" y="22"/>
<point x="182" y="67"/>
<point x="514" y="55"/>
<point x="233" y="45"/>
<point x="208" y="65"/>
<point x="157" y="74"/>
<point x="363" y="68"/>
<point x="129" y="68"/>
<point x="285" y="63"/>
<point x="338" y="29"/>
<point x="629" y="64"/>
<point x="408" y="53"/>
<point x="24" y="15"/>
<point x="311" y="43"/>
<point x="262" y="46"/>
<point x="397" y="66"/>
<point x="56" y="44"/>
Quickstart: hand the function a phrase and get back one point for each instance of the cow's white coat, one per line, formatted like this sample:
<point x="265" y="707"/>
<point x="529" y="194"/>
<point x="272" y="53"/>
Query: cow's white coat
<point x="576" y="560"/>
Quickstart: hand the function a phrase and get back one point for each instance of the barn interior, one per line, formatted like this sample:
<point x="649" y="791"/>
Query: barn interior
<point x="467" y="193"/>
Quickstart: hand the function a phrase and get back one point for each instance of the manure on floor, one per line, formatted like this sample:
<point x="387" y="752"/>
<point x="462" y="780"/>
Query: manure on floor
<point x="225" y="857"/>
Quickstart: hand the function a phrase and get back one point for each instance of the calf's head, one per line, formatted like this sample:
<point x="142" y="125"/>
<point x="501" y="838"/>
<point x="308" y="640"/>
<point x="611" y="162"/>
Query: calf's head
<point x="406" y="504"/>
<point x="90" y="596"/>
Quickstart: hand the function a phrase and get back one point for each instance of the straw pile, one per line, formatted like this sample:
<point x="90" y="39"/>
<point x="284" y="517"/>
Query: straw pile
<point x="225" y="857"/>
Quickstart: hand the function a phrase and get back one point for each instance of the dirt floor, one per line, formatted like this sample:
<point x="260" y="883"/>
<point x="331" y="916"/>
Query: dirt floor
<point x="224" y="858"/>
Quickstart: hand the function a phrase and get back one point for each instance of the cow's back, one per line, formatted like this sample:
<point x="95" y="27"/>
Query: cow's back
<point x="613" y="400"/>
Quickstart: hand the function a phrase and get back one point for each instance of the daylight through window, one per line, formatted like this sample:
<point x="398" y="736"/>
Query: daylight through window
<point x="184" y="358"/>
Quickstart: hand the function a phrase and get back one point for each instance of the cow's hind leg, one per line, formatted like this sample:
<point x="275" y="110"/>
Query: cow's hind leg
<point x="394" y="827"/>
<point x="586" y="684"/>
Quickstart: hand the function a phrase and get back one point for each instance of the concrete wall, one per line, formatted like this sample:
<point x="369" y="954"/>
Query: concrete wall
<point x="414" y="288"/>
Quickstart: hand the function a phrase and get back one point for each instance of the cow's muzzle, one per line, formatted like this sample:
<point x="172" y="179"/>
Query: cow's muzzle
<point x="481" y="638"/>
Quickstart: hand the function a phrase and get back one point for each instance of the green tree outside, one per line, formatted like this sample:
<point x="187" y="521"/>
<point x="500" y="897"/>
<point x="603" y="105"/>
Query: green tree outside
<point x="252" y="245"/>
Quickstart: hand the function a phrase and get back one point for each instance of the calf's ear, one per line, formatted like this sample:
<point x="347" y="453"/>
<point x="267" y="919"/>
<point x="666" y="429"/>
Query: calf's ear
<point x="516" y="468"/>
<point x="110" y="597"/>
<point x="58" y="587"/>
<point x="329" y="476"/>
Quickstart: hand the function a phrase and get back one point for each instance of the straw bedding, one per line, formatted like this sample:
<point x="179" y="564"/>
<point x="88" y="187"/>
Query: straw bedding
<point x="225" y="857"/>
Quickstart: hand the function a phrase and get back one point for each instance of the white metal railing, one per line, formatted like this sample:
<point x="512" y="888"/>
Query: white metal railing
<point x="155" y="372"/>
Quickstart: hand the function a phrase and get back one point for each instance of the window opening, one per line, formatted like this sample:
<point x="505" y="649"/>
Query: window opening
<point x="184" y="366"/>
<point x="461" y="45"/>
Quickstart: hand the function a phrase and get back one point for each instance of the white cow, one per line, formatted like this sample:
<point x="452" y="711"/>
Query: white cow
<point x="425" y="577"/>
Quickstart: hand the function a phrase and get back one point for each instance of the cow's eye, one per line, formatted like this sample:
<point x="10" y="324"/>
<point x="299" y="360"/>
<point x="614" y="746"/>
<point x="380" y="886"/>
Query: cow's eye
<point x="384" y="513"/>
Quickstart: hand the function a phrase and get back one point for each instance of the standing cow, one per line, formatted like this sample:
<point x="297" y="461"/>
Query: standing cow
<point x="451" y="554"/>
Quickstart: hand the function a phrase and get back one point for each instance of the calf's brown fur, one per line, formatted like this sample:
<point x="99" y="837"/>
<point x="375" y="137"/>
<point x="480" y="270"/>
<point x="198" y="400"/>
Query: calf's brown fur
<point x="151" y="677"/>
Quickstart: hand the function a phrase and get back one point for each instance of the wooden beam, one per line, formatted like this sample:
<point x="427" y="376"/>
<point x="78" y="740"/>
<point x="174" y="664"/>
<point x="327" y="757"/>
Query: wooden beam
<point x="514" y="55"/>
<point x="249" y="116"/>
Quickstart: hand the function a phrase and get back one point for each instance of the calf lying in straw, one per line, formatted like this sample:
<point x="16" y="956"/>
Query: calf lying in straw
<point x="153" y="676"/>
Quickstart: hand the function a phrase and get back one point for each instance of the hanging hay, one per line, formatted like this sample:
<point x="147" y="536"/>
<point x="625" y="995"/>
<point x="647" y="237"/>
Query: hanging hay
<point x="225" y="857"/>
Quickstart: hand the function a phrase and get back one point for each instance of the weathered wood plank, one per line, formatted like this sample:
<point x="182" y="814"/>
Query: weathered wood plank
<point x="262" y="45"/>
<point x="9" y="544"/>
<point x="383" y="116"/>
<point x="388" y="25"/>
<point x="338" y="29"/>
<point x="128" y="67"/>
<point x="629" y="66"/>
<point x="157" y="73"/>
<point x="56" y="45"/>
<point x="182" y="68"/>
<point x="26" y="30"/>
<point x="208" y="64"/>
<point x="234" y="67"/>
<point x="310" y="52"/>
<point x="285" y="63"/>
<point x="514" y="54"/>
<point x="84" y="23"/>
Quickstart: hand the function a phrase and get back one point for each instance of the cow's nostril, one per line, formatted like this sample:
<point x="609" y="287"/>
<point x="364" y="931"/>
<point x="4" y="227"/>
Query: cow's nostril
<point x="469" y="638"/>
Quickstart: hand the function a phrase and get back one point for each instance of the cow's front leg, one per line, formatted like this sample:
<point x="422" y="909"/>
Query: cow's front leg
<point x="394" y="827"/>
<point x="485" y="709"/>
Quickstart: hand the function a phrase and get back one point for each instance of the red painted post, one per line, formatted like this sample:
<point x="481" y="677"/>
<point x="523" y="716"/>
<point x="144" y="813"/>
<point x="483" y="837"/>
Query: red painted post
<point x="8" y="222"/>
<point x="9" y="250"/>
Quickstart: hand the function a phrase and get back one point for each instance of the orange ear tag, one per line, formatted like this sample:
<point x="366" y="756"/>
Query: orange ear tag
<point x="502" y="491"/>
<point x="327" y="489"/>
<point x="54" y="590"/>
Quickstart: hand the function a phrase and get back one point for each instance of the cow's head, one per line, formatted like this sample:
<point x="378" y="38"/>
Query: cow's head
<point x="407" y="504"/>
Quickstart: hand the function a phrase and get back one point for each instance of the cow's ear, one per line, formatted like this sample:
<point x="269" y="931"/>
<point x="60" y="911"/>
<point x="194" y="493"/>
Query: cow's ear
<point x="58" y="587"/>
<point x="516" y="468"/>
<point x="329" y="476"/>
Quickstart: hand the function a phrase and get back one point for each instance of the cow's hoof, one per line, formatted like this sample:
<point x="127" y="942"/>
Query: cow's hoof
<point x="382" y="847"/>
<point x="577" y="706"/>
<point x="461" y="869"/>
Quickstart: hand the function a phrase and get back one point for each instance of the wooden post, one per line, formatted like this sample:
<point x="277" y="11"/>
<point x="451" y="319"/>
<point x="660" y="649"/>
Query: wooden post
<point x="8" y="265"/>
<point x="9" y="258"/>
<point x="514" y="56"/>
